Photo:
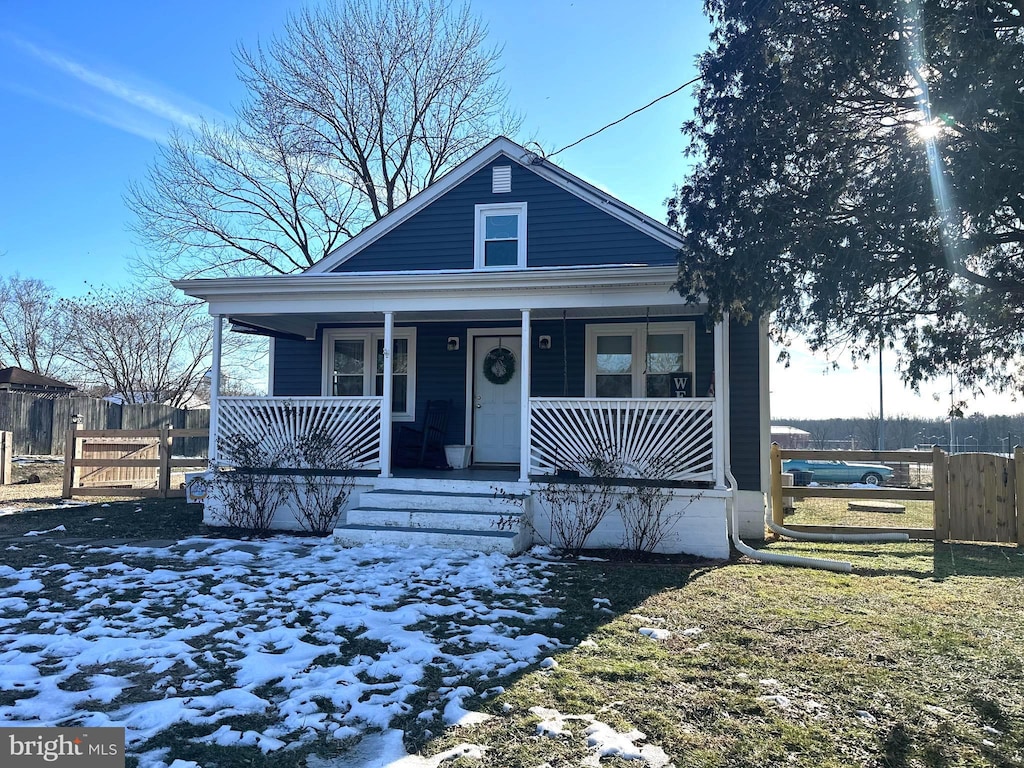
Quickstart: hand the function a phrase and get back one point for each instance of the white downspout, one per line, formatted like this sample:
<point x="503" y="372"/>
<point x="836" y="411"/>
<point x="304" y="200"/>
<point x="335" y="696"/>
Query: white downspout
<point x="766" y="557"/>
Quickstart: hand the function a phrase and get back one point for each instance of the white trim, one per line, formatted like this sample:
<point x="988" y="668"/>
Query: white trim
<point x="369" y="337"/>
<point x="721" y="440"/>
<point x="471" y="334"/>
<point x="480" y="214"/>
<point x="322" y="297"/>
<point x="388" y="389"/>
<point x="637" y="331"/>
<point x="765" y="442"/>
<point x="270" y="372"/>
<point x="526" y="344"/>
<point x="477" y="162"/>
<point x="218" y="332"/>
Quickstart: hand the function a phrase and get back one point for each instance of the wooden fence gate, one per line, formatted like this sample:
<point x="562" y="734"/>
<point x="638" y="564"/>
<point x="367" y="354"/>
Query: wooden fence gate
<point x="976" y="497"/>
<point x="130" y="462"/>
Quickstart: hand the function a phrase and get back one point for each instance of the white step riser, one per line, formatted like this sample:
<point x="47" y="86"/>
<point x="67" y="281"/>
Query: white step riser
<point x="412" y="518"/>
<point x="499" y="505"/>
<point x="355" y="538"/>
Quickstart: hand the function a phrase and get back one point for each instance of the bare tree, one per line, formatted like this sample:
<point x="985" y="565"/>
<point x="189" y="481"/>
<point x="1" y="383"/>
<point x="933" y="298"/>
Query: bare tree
<point x="352" y="110"/>
<point x="33" y="332"/>
<point x="145" y="346"/>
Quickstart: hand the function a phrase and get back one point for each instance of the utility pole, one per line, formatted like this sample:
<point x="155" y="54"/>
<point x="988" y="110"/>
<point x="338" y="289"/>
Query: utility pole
<point x="881" y="398"/>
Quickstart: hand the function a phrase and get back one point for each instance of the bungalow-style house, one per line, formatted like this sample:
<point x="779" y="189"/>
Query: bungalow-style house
<point x="530" y="318"/>
<point x="16" y="379"/>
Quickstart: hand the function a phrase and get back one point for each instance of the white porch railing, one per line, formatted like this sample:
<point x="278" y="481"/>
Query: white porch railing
<point x="279" y="422"/>
<point x="659" y="439"/>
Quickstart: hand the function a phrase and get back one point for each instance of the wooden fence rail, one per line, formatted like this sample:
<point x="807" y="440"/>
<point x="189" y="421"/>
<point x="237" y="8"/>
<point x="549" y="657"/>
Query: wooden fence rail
<point x="126" y="462"/>
<point x="778" y="491"/>
<point x="975" y="496"/>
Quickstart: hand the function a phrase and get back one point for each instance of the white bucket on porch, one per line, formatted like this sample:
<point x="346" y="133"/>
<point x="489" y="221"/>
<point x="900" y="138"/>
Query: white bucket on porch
<point x="458" y="455"/>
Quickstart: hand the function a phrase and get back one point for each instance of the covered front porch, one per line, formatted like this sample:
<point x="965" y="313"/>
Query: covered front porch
<point x="594" y="372"/>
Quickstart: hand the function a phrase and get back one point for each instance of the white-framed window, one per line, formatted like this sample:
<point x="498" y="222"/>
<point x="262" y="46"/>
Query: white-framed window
<point x="500" y="239"/>
<point x="640" y="360"/>
<point x="353" y="366"/>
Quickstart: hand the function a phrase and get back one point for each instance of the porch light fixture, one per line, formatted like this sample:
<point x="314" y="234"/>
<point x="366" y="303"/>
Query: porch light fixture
<point x="453" y="343"/>
<point x="544" y="342"/>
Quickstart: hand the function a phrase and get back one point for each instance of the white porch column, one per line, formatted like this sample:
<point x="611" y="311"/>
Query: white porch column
<point x="524" y="410"/>
<point x="389" y="385"/>
<point x="215" y="387"/>
<point x="719" y="437"/>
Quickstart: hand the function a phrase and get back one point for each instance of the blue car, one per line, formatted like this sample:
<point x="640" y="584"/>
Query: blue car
<point x="840" y="471"/>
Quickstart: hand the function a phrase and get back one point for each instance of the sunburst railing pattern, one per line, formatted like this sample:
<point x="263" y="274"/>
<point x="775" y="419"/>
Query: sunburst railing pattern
<point x="659" y="439"/>
<point x="280" y="422"/>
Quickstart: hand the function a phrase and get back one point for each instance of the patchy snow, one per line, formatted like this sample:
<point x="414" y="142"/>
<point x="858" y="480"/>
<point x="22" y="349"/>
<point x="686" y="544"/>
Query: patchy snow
<point x="314" y="639"/>
<point x="58" y="529"/>
<point x="603" y="740"/>
<point x="655" y="633"/>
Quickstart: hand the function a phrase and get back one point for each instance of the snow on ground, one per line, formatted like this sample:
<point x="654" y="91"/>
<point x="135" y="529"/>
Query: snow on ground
<point x="306" y="638"/>
<point x="603" y="740"/>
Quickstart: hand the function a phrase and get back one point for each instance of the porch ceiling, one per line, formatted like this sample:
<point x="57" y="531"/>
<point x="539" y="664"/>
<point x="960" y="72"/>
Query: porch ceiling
<point x="297" y="304"/>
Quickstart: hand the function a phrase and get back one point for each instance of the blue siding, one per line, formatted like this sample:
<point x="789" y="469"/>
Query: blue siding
<point x="441" y="375"/>
<point x="562" y="230"/>
<point x="745" y="404"/>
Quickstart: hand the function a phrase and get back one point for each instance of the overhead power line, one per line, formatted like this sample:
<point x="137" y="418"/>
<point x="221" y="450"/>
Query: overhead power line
<point x="626" y="117"/>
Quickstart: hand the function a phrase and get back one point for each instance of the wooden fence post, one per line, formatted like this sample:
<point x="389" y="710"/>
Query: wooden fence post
<point x="778" y="513"/>
<point x="163" y="482"/>
<point x="72" y="451"/>
<point x="6" y="453"/>
<point x="940" y="489"/>
<point x="1018" y="504"/>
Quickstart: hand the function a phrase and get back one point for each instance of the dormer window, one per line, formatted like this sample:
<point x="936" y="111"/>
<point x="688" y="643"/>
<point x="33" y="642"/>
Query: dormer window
<point x="500" y="236"/>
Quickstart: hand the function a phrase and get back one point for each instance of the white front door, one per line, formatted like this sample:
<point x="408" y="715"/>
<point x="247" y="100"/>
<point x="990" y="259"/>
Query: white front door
<point x="496" y="407"/>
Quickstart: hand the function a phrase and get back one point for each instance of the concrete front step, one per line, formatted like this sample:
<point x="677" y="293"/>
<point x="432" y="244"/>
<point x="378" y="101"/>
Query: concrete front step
<point x="478" y="541"/>
<point x="452" y="519"/>
<point x="442" y="513"/>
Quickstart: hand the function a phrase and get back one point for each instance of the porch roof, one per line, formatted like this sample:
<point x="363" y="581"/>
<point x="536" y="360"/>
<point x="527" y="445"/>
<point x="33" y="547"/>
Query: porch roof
<point x="297" y="304"/>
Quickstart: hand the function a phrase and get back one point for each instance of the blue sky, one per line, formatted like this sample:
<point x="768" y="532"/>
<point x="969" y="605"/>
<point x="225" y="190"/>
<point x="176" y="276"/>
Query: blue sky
<point x="87" y="90"/>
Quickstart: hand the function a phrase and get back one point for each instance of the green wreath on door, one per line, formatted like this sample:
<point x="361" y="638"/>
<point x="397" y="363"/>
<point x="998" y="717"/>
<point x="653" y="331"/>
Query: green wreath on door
<point x="499" y="366"/>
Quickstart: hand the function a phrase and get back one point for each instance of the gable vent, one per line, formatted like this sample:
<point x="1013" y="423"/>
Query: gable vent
<point x="501" y="179"/>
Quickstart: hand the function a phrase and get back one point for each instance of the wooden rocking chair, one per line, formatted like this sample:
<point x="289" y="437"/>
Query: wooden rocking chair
<point x="424" y="446"/>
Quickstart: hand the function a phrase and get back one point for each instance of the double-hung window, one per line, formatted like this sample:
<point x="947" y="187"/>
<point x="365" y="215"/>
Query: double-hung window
<point x="640" y="360"/>
<point x="500" y="236"/>
<point x="354" y="367"/>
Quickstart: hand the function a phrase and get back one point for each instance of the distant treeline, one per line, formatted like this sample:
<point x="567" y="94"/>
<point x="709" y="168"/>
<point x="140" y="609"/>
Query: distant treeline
<point x="990" y="434"/>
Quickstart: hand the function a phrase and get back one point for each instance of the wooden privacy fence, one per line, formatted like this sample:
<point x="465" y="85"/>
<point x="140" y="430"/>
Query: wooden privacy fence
<point x="974" y="495"/>
<point x="126" y="462"/>
<point x="39" y="424"/>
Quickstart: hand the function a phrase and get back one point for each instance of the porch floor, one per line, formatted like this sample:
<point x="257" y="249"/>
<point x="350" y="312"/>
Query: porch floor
<point x="482" y="474"/>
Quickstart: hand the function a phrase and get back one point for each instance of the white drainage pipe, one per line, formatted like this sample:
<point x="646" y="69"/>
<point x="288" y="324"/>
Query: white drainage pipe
<point x="766" y="557"/>
<point x="847" y="538"/>
<point x="839" y="566"/>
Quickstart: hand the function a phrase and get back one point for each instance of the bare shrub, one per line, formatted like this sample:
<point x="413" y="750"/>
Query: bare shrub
<point x="251" y="494"/>
<point x="644" y="506"/>
<point x="578" y="508"/>
<point x="320" y="498"/>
